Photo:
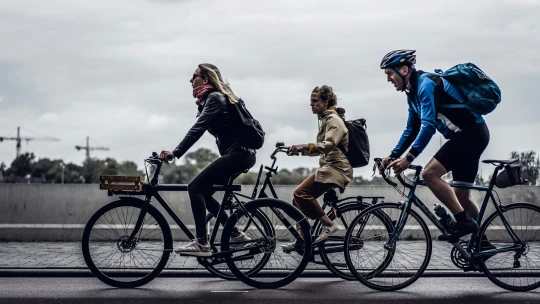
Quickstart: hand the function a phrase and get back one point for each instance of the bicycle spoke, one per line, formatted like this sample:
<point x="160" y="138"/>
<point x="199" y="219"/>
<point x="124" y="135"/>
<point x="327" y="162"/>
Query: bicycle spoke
<point x="503" y="268"/>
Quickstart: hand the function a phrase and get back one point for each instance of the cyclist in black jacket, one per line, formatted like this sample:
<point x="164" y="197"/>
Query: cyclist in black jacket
<point x="215" y="101"/>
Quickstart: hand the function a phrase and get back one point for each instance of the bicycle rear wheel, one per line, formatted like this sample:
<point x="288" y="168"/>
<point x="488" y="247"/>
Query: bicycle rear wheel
<point x="332" y="251"/>
<point x="279" y="268"/>
<point x="396" y="266"/>
<point x="519" y="269"/>
<point x="114" y="260"/>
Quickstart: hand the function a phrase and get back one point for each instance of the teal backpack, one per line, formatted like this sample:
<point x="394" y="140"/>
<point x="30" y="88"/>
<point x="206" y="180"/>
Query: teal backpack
<point x="481" y="94"/>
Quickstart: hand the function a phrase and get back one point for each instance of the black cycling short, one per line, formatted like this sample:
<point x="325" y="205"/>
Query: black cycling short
<point x="461" y="154"/>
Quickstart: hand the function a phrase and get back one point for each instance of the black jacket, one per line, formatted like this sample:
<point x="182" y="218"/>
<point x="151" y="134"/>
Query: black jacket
<point x="219" y="117"/>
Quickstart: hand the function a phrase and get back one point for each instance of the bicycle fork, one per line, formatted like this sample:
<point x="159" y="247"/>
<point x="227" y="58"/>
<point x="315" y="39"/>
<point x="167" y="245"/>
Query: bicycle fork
<point x="400" y="224"/>
<point x="132" y="240"/>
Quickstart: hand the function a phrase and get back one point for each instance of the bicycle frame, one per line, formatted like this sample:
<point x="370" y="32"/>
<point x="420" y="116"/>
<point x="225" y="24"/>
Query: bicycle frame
<point x="267" y="183"/>
<point x="468" y="251"/>
<point x="153" y="189"/>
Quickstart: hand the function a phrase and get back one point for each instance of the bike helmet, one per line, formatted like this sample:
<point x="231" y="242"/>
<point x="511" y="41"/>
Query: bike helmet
<point x="398" y="58"/>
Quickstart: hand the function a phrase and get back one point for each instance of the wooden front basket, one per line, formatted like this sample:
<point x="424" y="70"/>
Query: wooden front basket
<point x="120" y="182"/>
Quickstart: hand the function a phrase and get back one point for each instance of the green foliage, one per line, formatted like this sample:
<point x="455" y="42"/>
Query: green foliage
<point x="50" y="171"/>
<point x="195" y="162"/>
<point x="22" y="165"/>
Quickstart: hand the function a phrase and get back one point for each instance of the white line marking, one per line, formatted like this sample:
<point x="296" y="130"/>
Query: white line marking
<point x="75" y="226"/>
<point x="238" y="291"/>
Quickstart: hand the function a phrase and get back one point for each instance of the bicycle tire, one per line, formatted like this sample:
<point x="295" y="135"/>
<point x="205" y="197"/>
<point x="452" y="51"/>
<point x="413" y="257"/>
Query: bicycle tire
<point x="377" y="278"/>
<point x="335" y="261"/>
<point x="122" y="281"/>
<point x="223" y="271"/>
<point x="272" y="276"/>
<point x="498" y="237"/>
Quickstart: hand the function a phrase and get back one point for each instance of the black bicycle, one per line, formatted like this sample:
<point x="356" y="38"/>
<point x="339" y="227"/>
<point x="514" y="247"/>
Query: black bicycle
<point x="127" y="243"/>
<point x="506" y="248"/>
<point x="329" y="253"/>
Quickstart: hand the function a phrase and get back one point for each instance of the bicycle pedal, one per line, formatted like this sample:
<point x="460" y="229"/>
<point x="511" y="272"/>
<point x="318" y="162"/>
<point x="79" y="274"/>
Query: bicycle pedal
<point x="472" y="268"/>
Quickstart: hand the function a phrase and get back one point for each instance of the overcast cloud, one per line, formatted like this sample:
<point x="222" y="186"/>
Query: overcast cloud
<point x="118" y="71"/>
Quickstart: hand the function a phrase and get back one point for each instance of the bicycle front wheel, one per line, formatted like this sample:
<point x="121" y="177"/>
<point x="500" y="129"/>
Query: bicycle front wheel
<point x="277" y="268"/>
<point x="379" y="264"/>
<point x="518" y="269"/>
<point x="112" y="257"/>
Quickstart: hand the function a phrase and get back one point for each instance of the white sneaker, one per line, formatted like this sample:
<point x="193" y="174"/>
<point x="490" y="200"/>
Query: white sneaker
<point x="242" y="237"/>
<point x="327" y="231"/>
<point x="288" y="248"/>
<point x="194" y="248"/>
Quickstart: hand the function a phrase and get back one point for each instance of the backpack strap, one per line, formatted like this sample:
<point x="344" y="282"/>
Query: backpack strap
<point x="340" y="147"/>
<point x="440" y="93"/>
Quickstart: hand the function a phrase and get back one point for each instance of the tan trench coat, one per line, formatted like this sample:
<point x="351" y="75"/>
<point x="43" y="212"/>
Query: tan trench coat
<point x="334" y="165"/>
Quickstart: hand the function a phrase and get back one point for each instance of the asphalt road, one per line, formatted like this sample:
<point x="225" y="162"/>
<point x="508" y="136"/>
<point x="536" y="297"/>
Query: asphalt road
<point x="207" y="290"/>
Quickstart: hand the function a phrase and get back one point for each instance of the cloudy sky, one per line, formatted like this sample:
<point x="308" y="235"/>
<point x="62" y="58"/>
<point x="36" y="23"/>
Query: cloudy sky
<point x="118" y="71"/>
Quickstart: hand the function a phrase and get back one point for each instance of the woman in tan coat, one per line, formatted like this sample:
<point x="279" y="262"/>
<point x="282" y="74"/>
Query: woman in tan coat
<point x="335" y="171"/>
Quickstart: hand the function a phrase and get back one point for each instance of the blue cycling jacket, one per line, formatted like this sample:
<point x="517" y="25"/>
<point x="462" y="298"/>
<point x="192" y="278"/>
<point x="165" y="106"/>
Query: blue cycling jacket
<point x="428" y="91"/>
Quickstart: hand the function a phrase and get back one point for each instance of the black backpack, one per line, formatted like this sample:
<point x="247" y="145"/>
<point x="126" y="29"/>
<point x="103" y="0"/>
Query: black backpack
<point x="358" y="153"/>
<point x="251" y="131"/>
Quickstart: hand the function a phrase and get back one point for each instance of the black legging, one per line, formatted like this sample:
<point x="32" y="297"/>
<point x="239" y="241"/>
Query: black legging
<point x="217" y="173"/>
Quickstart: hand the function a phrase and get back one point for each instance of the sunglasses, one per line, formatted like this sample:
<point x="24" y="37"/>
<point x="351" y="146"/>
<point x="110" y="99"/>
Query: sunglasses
<point x="195" y="76"/>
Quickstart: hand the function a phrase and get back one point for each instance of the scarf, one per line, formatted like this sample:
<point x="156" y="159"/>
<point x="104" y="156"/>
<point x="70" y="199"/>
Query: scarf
<point x="202" y="91"/>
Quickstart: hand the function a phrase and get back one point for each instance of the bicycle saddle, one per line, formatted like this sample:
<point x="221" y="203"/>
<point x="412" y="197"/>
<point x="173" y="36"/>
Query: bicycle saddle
<point x="497" y="162"/>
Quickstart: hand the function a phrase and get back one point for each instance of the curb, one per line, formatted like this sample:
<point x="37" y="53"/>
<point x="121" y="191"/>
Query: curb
<point x="193" y="273"/>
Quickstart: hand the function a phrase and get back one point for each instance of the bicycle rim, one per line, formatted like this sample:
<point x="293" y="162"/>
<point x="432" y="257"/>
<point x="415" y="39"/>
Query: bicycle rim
<point x="332" y="251"/>
<point x="218" y="265"/>
<point x="117" y="263"/>
<point x="280" y="268"/>
<point x="396" y="267"/>
<point x="517" y="270"/>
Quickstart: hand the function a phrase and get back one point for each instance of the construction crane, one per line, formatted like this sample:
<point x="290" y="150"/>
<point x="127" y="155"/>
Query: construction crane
<point x="18" y="139"/>
<point x="87" y="148"/>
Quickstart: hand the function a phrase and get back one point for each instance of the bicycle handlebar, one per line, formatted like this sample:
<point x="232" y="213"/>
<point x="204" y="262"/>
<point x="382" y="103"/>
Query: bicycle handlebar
<point x="378" y="165"/>
<point x="385" y="175"/>
<point x="280" y="147"/>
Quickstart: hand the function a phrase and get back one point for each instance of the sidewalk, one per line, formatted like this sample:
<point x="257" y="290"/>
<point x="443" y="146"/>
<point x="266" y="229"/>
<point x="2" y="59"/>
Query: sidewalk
<point x="29" y="257"/>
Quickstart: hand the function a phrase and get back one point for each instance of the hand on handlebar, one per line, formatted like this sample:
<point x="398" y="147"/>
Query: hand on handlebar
<point x="296" y="149"/>
<point x="166" y="156"/>
<point x="383" y="164"/>
<point x="399" y="165"/>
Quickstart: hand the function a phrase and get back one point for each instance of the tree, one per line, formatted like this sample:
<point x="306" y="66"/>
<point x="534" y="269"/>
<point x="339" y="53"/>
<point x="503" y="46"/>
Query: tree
<point x="376" y="180"/>
<point x="93" y="168"/>
<point x="529" y="163"/>
<point x="22" y="165"/>
<point x="480" y="181"/>
<point x="201" y="157"/>
<point x="179" y="174"/>
<point x="248" y="178"/>
<point x="129" y="168"/>
<point x="2" y="171"/>
<point x="195" y="162"/>
<point x="72" y="174"/>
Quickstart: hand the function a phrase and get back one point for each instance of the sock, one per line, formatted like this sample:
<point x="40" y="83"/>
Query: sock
<point x="235" y="232"/>
<point x="461" y="217"/>
<point x="202" y="240"/>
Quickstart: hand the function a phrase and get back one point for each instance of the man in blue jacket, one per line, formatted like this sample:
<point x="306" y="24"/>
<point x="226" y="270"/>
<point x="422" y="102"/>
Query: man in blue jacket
<point x="467" y="134"/>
